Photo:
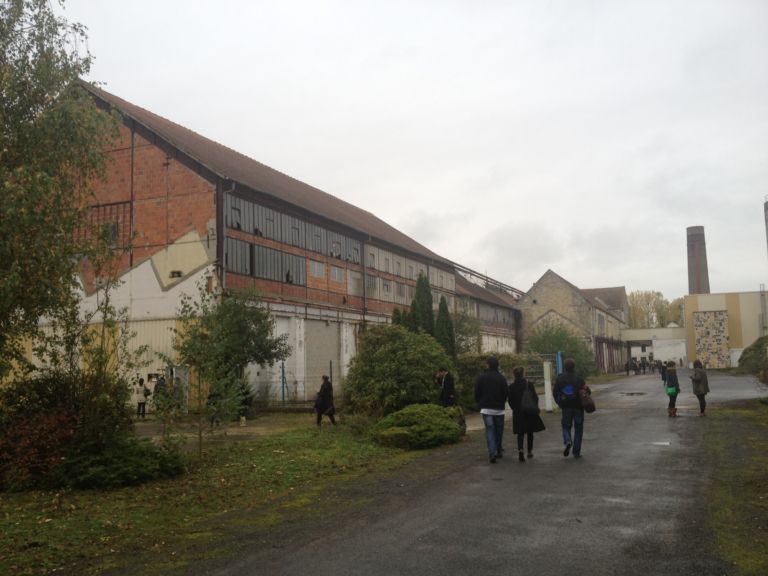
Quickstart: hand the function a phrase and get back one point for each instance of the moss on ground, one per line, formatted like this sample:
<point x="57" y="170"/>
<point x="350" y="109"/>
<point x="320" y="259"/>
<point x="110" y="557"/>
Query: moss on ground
<point x="737" y="438"/>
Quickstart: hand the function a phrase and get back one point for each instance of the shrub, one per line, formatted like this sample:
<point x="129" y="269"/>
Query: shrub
<point x="74" y="430"/>
<point x="550" y="337"/>
<point x="127" y="463"/>
<point x="469" y="367"/>
<point x="418" y="426"/>
<point x="753" y="359"/>
<point x="393" y="368"/>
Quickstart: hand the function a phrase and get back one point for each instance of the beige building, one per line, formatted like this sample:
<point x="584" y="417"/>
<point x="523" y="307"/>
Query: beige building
<point x="652" y="344"/>
<point x="720" y="326"/>
<point x="596" y="315"/>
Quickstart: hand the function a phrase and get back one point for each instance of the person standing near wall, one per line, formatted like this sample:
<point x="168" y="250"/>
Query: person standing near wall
<point x="672" y="388"/>
<point x="491" y="395"/>
<point x="700" y="385"/>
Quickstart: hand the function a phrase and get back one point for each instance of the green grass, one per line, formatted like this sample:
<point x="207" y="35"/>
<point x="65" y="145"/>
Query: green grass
<point x="738" y="439"/>
<point x="250" y="483"/>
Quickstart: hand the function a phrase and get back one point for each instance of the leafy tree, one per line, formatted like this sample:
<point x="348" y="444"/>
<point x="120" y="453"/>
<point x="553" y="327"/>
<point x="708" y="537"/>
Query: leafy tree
<point x="675" y="312"/>
<point x="550" y="337"/>
<point x="444" y="328"/>
<point x="218" y="338"/>
<point x="397" y="317"/>
<point x="393" y="368"/>
<point x="647" y="309"/>
<point x="467" y="333"/>
<point x="69" y="422"/>
<point x="422" y="315"/>
<point x="52" y="137"/>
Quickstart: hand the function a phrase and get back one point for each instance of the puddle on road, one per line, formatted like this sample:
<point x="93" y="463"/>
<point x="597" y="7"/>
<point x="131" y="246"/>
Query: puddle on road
<point x="633" y="393"/>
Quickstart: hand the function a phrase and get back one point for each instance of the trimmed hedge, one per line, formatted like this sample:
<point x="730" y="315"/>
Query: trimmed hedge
<point x="419" y="426"/>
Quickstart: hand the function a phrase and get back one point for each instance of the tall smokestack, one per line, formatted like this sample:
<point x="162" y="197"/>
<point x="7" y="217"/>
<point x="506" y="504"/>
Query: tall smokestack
<point x="698" y="275"/>
<point x="765" y="211"/>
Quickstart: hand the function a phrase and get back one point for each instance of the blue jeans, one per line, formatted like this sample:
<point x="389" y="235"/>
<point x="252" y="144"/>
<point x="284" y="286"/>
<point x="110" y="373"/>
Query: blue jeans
<point x="573" y="417"/>
<point x="494" y="431"/>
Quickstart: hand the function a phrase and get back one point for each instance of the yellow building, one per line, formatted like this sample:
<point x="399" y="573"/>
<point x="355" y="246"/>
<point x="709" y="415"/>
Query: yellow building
<point x="720" y="326"/>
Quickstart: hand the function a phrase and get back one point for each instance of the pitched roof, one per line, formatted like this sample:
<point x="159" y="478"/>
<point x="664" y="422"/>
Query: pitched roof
<point x="231" y="165"/>
<point x="614" y="298"/>
<point x="466" y="288"/>
<point x="592" y="295"/>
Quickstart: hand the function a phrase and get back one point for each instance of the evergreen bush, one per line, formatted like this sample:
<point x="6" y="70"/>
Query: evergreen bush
<point x="754" y="360"/>
<point x="418" y="426"/>
<point x="393" y="368"/>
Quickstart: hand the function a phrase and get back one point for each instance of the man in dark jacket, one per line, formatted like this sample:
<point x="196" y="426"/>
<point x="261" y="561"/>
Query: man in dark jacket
<point x="447" y="388"/>
<point x="491" y="396"/>
<point x="566" y="395"/>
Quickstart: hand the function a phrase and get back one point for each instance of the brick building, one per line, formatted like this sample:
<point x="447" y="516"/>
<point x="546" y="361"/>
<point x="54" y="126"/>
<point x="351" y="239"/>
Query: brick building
<point x="197" y="211"/>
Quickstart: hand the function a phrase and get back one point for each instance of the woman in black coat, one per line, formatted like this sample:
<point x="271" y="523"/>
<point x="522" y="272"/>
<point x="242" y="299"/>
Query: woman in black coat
<point x="524" y="423"/>
<point x="324" y="402"/>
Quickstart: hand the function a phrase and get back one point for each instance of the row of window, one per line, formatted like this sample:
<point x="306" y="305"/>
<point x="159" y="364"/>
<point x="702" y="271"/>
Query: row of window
<point x="262" y="262"/>
<point x="250" y="217"/>
<point x="253" y="218"/>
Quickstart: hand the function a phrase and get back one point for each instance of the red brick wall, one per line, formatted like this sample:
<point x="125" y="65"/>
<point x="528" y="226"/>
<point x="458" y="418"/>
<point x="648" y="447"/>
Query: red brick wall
<point x="169" y="198"/>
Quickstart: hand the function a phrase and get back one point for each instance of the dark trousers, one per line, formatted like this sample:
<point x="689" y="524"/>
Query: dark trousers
<point x="520" y="441"/>
<point x="141" y="409"/>
<point x="320" y="418"/>
<point x="702" y="402"/>
<point x="672" y="401"/>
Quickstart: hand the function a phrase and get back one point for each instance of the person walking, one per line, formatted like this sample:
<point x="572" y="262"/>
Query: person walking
<point x="672" y="388"/>
<point x="700" y="385"/>
<point x="324" y="402"/>
<point x="491" y="395"/>
<point x="447" y="388"/>
<point x="566" y="393"/>
<point x="524" y="402"/>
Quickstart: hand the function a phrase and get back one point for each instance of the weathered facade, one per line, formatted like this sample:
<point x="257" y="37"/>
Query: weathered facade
<point x="597" y="316"/>
<point x="198" y="212"/>
<point x="499" y="319"/>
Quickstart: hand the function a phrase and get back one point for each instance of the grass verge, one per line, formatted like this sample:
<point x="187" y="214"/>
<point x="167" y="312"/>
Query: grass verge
<point x="737" y="437"/>
<point x="251" y="484"/>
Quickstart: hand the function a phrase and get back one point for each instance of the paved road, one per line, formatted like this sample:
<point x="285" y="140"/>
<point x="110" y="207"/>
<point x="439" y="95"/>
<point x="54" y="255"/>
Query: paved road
<point x="633" y="505"/>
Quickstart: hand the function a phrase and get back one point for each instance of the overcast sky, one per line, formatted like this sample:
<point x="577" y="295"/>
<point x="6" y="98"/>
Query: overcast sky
<point x="509" y="136"/>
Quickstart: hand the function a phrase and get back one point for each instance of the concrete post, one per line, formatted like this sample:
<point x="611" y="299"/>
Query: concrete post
<point x="548" y="398"/>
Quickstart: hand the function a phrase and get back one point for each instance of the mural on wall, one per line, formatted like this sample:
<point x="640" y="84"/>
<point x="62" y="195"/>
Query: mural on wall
<point x="711" y="332"/>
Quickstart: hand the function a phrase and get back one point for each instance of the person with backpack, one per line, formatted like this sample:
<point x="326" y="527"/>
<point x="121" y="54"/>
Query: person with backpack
<point x="566" y="393"/>
<point x="672" y="388"/>
<point x="524" y="402"/>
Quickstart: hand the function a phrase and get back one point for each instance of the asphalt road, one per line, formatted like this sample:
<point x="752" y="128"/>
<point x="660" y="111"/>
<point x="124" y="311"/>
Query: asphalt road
<point x="635" y="503"/>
